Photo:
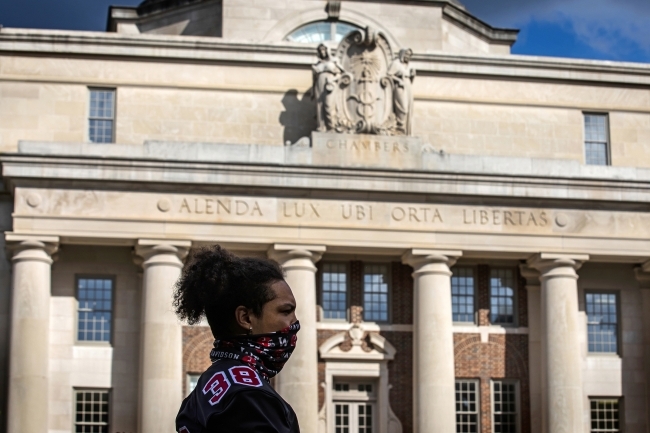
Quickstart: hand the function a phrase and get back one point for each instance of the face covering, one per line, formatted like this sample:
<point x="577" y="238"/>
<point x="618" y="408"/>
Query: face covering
<point x="266" y="353"/>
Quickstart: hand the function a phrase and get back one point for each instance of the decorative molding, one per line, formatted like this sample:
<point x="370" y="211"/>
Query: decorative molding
<point x="365" y="346"/>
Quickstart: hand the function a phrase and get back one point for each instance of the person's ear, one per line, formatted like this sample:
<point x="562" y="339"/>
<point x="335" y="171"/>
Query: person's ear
<point x="243" y="319"/>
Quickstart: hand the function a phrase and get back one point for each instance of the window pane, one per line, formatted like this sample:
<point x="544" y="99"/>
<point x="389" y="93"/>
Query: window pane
<point x="502" y="293"/>
<point x="101" y="116"/>
<point x="604" y="415"/>
<point x="91" y="411"/>
<point x="342" y="30"/>
<point x="462" y="294"/>
<point x="375" y="293"/>
<point x="334" y="296"/>
<point x="602" y="322"/>
<point x="467" y="408"/>
<point x="596" y="139"/>
<point x="312" y="33"/>
<point x="504" y="407"/>
<point x="321" y="31"/>
<point x="95" y="313"/>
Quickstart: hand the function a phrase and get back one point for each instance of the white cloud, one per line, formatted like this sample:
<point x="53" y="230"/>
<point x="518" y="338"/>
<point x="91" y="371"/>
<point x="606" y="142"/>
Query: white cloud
<point x="602" y="24"/>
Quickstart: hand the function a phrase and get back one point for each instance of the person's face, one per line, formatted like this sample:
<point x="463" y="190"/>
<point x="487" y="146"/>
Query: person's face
<point x="323" y="52"/>
<point x="278" y="313"/>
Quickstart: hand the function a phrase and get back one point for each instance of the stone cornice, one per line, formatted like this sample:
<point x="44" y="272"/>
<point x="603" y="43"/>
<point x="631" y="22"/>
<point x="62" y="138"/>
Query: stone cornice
<point x="483" y="30"/>
<point x="176" y="165"/>
<point x="205" y="49"/>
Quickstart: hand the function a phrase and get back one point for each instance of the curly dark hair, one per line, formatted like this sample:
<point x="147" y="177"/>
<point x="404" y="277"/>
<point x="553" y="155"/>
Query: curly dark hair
<point x="214" y="282"/>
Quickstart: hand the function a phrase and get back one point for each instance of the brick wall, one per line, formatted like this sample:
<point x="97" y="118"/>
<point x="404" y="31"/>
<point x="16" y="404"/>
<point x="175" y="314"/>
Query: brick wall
<point x="503" y="356"/>
<point x="197" y="343"/>
<point x="400" y="376"/>
<point x="402" y="293"/>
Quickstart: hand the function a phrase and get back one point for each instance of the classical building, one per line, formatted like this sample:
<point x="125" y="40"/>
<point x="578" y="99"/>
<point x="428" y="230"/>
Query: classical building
<point x="466" y="231"/>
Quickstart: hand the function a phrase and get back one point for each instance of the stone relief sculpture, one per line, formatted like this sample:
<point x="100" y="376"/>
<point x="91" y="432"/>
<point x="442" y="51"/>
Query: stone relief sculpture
<point x="364" y="88"/>
<point x="326" y="74"/>
<point x="401" y="75"/>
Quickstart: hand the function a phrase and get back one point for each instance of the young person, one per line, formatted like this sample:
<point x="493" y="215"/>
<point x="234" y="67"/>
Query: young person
<point x="251" y="312"/>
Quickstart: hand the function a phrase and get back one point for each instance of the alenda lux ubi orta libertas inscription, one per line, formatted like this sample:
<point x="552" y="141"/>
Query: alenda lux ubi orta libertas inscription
<point x="307" y="211"/>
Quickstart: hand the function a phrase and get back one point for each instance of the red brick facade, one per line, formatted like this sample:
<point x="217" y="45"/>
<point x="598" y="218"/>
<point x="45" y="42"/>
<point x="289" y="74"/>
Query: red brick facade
<point x="503" y="356"/>
<point x="197" y="343"/>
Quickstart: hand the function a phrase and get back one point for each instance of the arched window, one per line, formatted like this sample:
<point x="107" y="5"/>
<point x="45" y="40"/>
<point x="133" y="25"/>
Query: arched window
<point x="321" y="31"/>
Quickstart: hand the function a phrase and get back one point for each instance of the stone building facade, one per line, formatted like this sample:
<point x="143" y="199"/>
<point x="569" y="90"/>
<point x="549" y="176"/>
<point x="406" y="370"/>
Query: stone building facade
<point x="466" y="231"/>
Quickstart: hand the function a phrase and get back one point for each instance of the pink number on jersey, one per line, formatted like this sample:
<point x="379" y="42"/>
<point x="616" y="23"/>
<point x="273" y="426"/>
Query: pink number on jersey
<point x="245" y="376"/>
<point x="217" y="386"/>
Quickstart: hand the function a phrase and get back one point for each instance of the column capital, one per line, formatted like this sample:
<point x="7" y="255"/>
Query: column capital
<point x="530" y="274"/>
<point x="419" y="259"/>
<point x="294" y="256"/>
<point x="642" y="274"/>
<point x="557" y="265"/>
<point x="150" y="252"/>
<point x="31" y="247"/>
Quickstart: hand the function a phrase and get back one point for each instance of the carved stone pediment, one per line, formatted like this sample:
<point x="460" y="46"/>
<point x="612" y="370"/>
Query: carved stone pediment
<point x="365" y="88"/>
<point x="357" y="344"/>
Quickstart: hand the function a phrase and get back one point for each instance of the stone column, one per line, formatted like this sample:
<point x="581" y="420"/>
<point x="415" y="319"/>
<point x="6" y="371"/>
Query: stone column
<point x="434" y="407"/>
<point x="161" y="350"/>
<point x="642" y="274"/>
<point x="535" y="366"/>
<point x="298" y="381"/>
<point x="562" y="403"/>
<point x="30" y="329"/>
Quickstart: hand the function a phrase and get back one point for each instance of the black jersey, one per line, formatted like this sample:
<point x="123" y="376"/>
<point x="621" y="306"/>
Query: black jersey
<point x="231" y="397"/>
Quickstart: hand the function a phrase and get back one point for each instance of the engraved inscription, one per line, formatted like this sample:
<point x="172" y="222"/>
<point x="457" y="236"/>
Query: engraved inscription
<point x="300" y="210"/>
<point x="386" y="146"/>
<point x="416" y="214"/>
<point x="500" y="217"/>
<point x="209" y="206"/>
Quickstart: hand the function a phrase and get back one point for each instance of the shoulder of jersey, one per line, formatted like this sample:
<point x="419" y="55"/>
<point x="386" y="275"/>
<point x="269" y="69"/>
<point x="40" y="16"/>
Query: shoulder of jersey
<point x="224" y="379"/>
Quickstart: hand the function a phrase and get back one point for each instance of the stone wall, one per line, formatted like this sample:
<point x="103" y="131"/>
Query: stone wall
<point x="218" y="103"/>
<point x="93" y="365"/>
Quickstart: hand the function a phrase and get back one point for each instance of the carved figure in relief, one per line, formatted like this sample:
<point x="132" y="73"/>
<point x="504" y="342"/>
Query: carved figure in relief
<point x="402" y="75"/>
<point x="364" y="88"/>
<point x="326" y="74"/>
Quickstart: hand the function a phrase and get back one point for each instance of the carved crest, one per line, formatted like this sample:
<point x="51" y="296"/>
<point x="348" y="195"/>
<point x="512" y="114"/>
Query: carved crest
<point x="364" y="88"/>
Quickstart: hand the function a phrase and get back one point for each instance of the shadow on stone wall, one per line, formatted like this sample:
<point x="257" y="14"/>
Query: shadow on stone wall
<point x="298" y="117"/>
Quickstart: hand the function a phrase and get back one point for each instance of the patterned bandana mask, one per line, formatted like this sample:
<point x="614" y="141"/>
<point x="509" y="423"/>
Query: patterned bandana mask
<point x="266" y="353"/>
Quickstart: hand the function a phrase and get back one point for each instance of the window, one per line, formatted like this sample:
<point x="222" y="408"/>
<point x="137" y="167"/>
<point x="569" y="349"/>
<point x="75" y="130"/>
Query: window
<point x="354" y="407"/>
<point x="596" y="139"/>
<point x="192" y="380"/>
<point x="604" y="415"/>
<point x="334" y="283"/>
<point x="602" y="322"/>
<point x="91" y="411"/>
<point x="505" y="408"/>
<point x="502" y="296"/>
<point x="101" y="115"/>
<point x="462" y="294"/>
<point x="95" y="297"/>
<point x="467" y="406"/>
<point x="321" y="31"/>
<point x="375" y="293"/>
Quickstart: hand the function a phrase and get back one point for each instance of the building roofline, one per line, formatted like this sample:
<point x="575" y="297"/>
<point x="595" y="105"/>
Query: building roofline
<point x="202" y="49"/>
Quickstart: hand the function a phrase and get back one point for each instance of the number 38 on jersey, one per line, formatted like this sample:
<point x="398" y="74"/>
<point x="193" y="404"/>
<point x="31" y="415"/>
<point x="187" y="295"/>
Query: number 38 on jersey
<point x="219" y="383"/>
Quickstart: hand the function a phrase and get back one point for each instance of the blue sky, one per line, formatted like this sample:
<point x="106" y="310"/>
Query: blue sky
<point x="592" y="29"/>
